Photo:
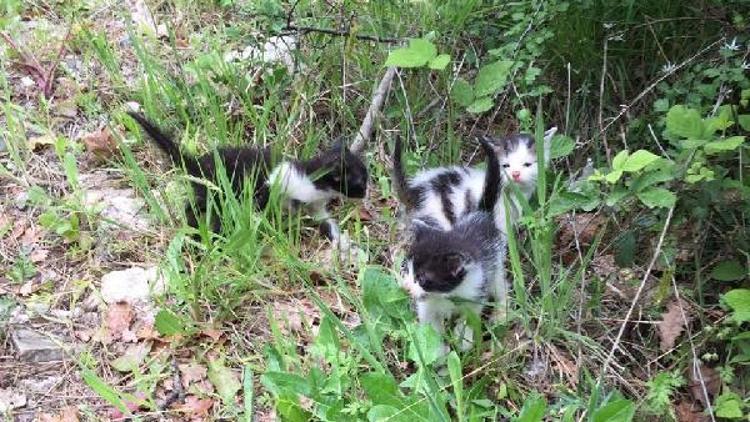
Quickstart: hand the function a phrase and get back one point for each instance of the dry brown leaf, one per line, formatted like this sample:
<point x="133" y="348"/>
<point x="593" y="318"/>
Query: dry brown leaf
<point x="39" y="255"/>
<point x="27" y="288"/>
<point x="39" y="142"/>
<point x="671" y="325"/>
<point x="31" y="235"/>
<point x="686" y="412"/>
<point x="196" y="407"/>
<point x="191" y="373"/>
<point x="712" y="381"/>
<point x="68" y="414"/>
<point x="101" y="143"/>
<point x="212" y="333"/>
<point x="119" y="317"/>
<point x="365" y="214"/>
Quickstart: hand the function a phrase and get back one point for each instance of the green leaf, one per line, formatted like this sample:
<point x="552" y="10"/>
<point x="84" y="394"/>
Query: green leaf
<point x="382" y="412"/>
<point x="566" y="201"/>
<point x="728" y="405"/>
<point x="616" y="411"/>
<point x="620" y="159"/>
<point x="427" y="343"/>
<point x="739" y="301"/>
<point x="657" y="197"/>
<point x="729" y="271"/>
<point x="744" y="121"/>
<point x="104" y="391"/>
<point x="729" y="144"/>
<point x="439" y="62"/>
<point x="289" y="409"/>
<point x="625" y="249"/>
<point x="168" y="324"/>
<point x="661" y="105"/>
<point x="132" y="358"/>
<point x="684" y="122"/>
<point x="693" y="143"/>
<point x="462" y="92"/>
<point x="327" y="342"/>
<point x="664" y="173"/>
<point x="224" y="380"/>
<point x="613" y="176"/>
<point x="480" y="105"/>
<point x="561" y="146"/>
<point x="381" y="295"/>
<point x="616" y="196"/>
<point x="417" y="54"/>
<point x="533" y="409"/>
<point x="639" y="160"/>
<point x="492" y="77"/>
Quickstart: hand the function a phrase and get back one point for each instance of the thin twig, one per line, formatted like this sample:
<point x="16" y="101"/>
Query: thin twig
<point x="178" y="393"/>
<point x="378" y="98"/>
<point x="601" y="103"/>
<point x="340" y="33"/>
<point x="618" y="339"/>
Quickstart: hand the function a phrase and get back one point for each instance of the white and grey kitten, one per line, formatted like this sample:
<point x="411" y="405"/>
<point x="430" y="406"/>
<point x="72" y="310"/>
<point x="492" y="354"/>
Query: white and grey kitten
<point x="460" y="263"/>
<point x="444" y="194"/>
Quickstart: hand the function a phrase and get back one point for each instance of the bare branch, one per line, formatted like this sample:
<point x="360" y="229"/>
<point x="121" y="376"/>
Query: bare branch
<point x="378" y="97"/>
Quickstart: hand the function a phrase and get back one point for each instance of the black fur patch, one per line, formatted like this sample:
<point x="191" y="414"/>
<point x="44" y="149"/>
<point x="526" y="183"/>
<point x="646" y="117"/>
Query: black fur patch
<point x="444" y="184"/>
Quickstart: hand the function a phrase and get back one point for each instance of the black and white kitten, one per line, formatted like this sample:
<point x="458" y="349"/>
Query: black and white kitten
<point x="462" y="262"/>
<point x="443" y="194"/>
<point x="312" y="183"/>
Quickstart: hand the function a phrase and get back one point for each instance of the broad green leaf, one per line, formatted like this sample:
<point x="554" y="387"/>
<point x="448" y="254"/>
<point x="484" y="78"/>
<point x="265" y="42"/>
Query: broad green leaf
<point x="615" y="411"/>
<point x="327" y="342"/>
<point x="427" y="343"/>
<point x="480" y="105"/>
<point x="382" y="412"/>
<point x="728" y="405"/>
<point x="566" y="201"/>
<point x="561" y="146"/>
<point x="649" y="178"/>
<point x="439" y="62"/>
<point x="744" y="121"/>
<point x="639" y="160"/>
<point x="286" y="382"/>
<point x="224" y="380"/>
<point x="533" y="409"/>
<point x="492" y="77"/>
<point x="729" y="271"/>
<point x="693" y="143"/>
<point x="684" y="122"/>
<point x="417" y="54"/>
<point x="168" y="324"/>
<point x="289" y="409"/>
<point x="104" y="391"/>
<point x="462" y="92"/>
<point x="729" y="144"/>
<point x="739" y="301"/>
<point x="625" y="249"/>
<point x="616" y="196"/>
<point x="613" y="176"/>
<point x="381" y="295"/>
<point x="620" y="159"/>
<point x="661" y="105"/>
<point x="657" y="197"/>
<point x="381" y="388"/>
<point x="134" y="355"/>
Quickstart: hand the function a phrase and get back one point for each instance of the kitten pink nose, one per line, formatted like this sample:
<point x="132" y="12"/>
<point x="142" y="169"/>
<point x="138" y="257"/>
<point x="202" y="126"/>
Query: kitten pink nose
<point x="516" y="175"/>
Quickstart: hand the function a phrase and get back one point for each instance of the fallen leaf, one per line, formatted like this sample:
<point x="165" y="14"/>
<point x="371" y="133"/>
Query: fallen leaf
<point x="68" y="414"/>
<point x="191" y="373"/>
<point x="224" y="380"/>
<point x="686" y="413"/>
<point x="365" y="214"/>
<point x="196" y="407"/>
<point x="671" y="325"/>
<point x="39" y="255"/>
<point x="31" y="236"/>
<point x="134" y="355"/>
<point x="213" y="333"/>
<point x="39" y="142"/>
<point x="119" y="317"/>
<point x="132" y="406"/>
<point x="711" y="380"/>
<point x="100" y="143"/>
<point x="27" y="288"/>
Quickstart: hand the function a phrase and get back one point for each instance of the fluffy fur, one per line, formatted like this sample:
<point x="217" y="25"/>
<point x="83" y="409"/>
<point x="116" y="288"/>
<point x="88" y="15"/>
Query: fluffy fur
<point x="444" y="194"/>
<point x="461" y="262"/>
<point x="312" y="183"/>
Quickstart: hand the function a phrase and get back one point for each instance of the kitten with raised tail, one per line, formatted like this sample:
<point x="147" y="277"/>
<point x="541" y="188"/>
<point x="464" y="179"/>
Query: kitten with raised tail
<point x="448" y="267"/>
<point x="336" y="172"/>
<point x="443" y="194"/>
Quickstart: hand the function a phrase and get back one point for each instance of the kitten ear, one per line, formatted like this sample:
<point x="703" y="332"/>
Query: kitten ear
<point x="455" y="263"/>
<point x="496" y="144"/>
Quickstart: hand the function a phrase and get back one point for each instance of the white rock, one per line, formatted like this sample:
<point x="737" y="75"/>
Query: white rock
<point x="118" y="205"/>
<point x="27" y="82"/>
<point x="10" y="399"/>
<point x="32" y="346"/>
<point x="275" y="50"/>
<point x="134" y="285"/>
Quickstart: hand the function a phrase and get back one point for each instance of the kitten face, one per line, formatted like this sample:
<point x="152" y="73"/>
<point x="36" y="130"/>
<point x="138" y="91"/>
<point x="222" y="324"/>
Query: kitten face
<point x="518" y="159"/>
<point x="344" y="172"/>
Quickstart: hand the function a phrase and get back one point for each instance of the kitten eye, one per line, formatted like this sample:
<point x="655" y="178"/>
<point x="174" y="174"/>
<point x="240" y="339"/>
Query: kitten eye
<point x="527" y="164"/>
<point x="505" y="166"/>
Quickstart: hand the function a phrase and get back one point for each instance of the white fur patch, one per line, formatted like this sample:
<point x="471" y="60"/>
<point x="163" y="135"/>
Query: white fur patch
<point x="295" y="185"/>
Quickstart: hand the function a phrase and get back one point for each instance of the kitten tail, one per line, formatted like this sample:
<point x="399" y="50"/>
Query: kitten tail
<point x="166" y="144"/>
<point x="400" y="184"/>
<point x="492" y="180"/>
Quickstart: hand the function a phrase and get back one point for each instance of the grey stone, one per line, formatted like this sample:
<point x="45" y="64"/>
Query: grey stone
<point x="32" y="346"/>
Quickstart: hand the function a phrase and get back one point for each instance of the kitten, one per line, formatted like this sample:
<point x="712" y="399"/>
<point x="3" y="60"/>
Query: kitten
<point x="464" y="261"/>
<point x="312" y="183"/>
<point x="444" y="194"/>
